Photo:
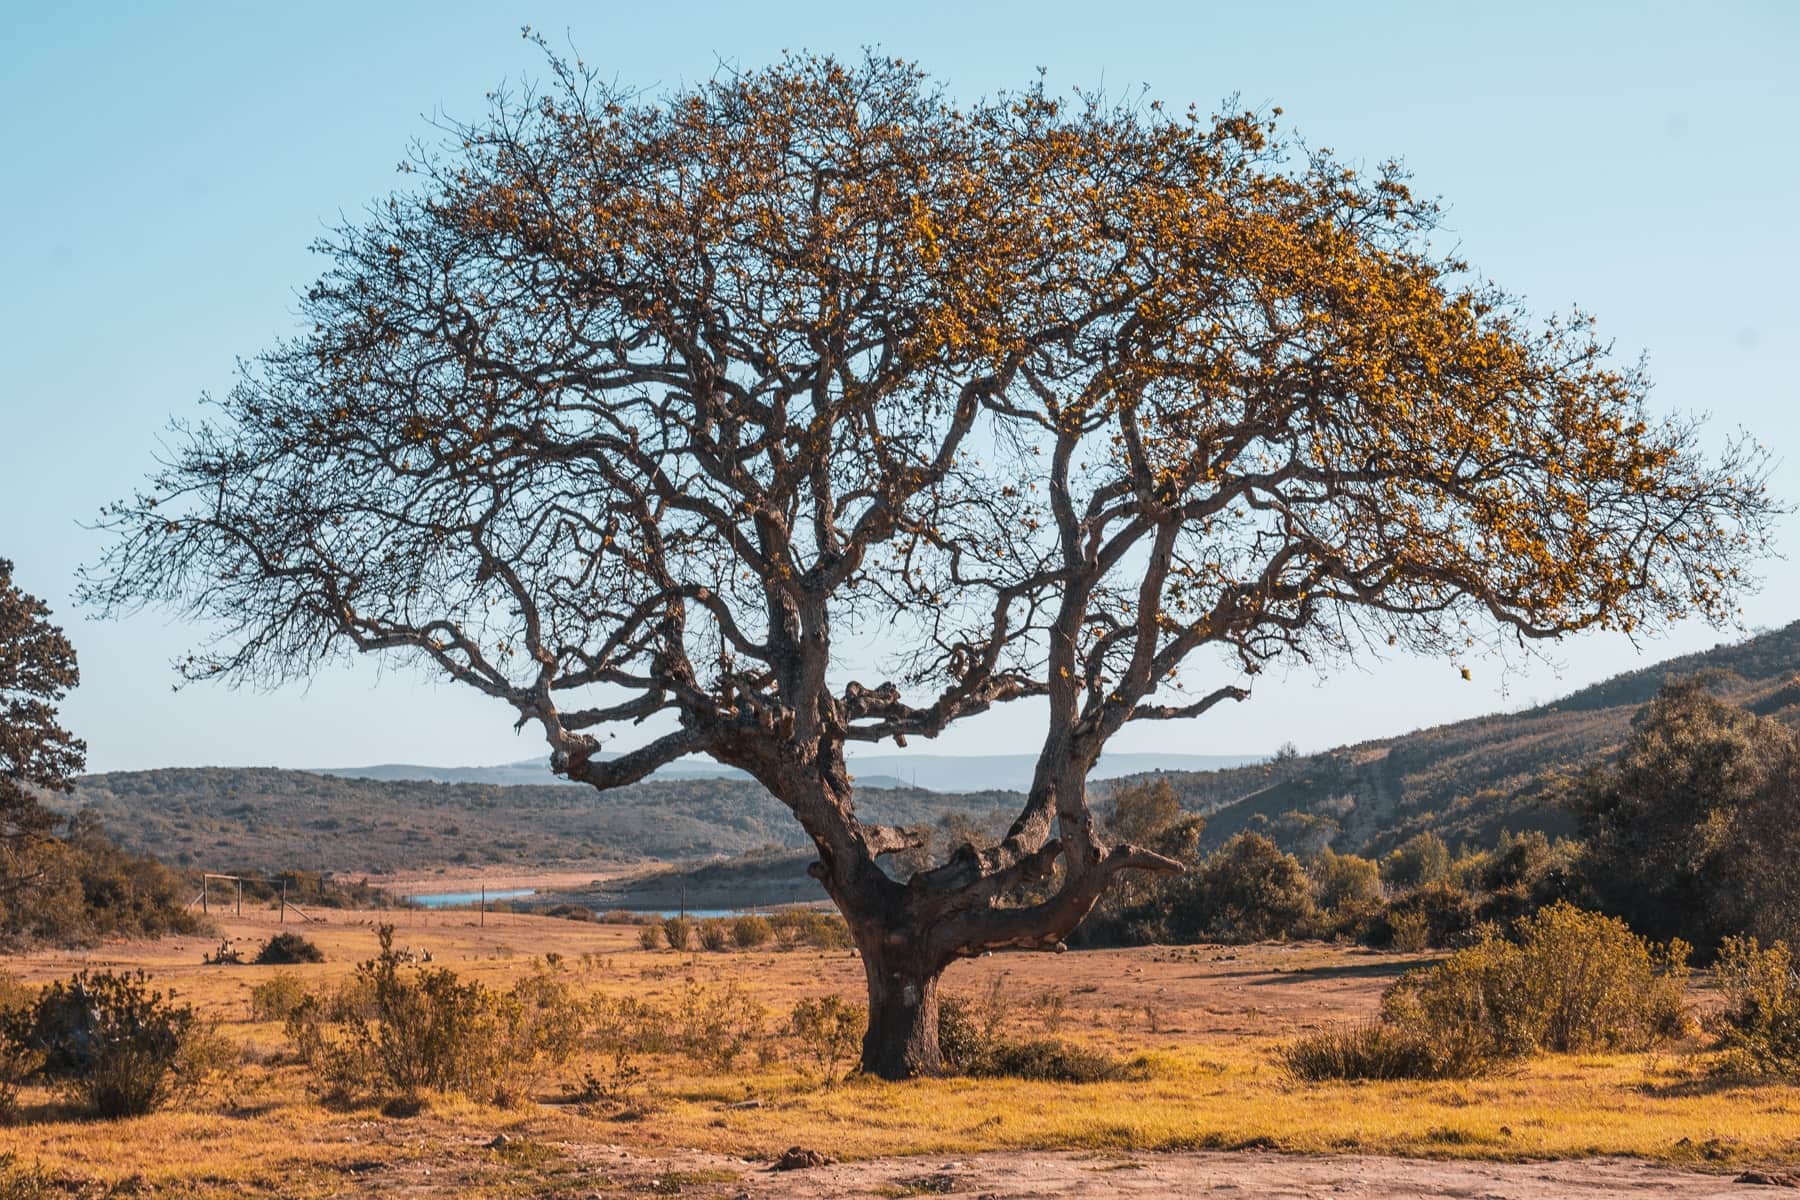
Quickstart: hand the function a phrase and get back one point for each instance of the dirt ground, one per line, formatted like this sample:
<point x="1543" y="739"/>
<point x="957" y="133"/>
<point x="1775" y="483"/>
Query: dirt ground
<point x="1245" y="1175"/>
<point x="1216" y="1116"/>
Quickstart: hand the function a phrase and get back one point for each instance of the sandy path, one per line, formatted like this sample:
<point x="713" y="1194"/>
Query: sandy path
<point x="1243" y="1175"/>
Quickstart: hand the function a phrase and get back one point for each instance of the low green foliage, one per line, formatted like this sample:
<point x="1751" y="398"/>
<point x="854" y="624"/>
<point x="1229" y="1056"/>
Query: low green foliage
<point x="971" y="1041"/>
<point x="1570" y="982"/>
<point x="751" y="932"/>
<point x="79" y="888"/>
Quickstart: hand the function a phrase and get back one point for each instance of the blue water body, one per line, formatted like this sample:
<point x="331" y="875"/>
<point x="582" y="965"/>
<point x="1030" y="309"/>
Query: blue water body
<point x="459" y="899"/>
<point x="470" y="899"/>
<point x="700" y="914"/>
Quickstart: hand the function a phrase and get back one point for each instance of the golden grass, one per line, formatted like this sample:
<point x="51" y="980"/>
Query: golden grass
<point x="1209" y="1023"/>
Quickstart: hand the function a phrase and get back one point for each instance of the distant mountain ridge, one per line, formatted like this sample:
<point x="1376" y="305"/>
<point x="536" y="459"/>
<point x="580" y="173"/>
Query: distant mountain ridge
<point x="931" y="772"/>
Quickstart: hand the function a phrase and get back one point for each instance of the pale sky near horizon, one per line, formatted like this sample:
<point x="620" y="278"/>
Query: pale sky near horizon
<point x="165" y="166"/>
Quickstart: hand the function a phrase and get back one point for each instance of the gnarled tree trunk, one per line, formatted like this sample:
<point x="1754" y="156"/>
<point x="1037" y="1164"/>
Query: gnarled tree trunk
<point x="902" y="1038"/>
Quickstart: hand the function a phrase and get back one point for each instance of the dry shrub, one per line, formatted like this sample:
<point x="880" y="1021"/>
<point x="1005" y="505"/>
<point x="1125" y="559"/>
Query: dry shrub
<point x="971" y="1042"/>
<point x="715" y="935"/>
<point x="794" y="928"/>
<point x="1411" y="932"/>
<point x="650" y="937"/>
<point x="750" y="932"/>
<point x="628" y="1023"/>
<point x="1377" y="1051"/>
<point x="829" y="1030"/>
<point x="18" y="1063"/>
<point x="108" y="1041"/>
<point x="1759" y="1030"/>
<point x="716" y="1025"/>
<point x="396" y="1034"/>
<point x="276" y="998"/>
<point x="678" y="932"/>
<point x="1572" y="982"/>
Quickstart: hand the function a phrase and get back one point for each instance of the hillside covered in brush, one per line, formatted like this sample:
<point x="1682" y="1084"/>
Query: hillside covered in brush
<point x="266" y="819"/>
<point x="1466" y="782"/>
<point x="1469" y="781"/>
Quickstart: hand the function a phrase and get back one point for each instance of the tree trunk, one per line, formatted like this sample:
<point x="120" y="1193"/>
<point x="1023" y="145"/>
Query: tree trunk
<point x="902" y="1040"/>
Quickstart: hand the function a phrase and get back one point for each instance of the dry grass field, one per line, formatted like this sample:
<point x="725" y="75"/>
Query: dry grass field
<point x="1207" y="1022"/>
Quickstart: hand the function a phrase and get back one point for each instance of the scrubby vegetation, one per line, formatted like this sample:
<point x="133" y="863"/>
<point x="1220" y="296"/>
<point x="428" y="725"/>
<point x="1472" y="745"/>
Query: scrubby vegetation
<point x="1695" y="831"/>
<point x="398" y="1031"/>
<point x="108" y="1041"/>
<point x="1567" y="981"/>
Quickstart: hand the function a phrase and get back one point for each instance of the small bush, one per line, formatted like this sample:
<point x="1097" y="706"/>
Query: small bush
<point x="1759" y="1030"/>
<point x="714" y="935"/>
<point x="971" y="1043"/>
<point x="108" y="1040"/>
<point x="276" y="998"/>
<point x="1377" y="1051"/>
<point x="1246" y="891"/>
<point x="829" y="1030"/>
<point x="796" y="927"/>
<point x="678" y="932"/>
<point x="286" y="949"/>
<point x="625" y="1023"/>
<point x="1440" y="913"/>
<point x="1420" y="860"/>
<point x="716" y="1025"/>
<point x="1055" y="1061"/>
<point x="650" y="937"/>
<point x="1409" y="932"/>
<point x="570" y="912"/>
<point x="750" y="932"/>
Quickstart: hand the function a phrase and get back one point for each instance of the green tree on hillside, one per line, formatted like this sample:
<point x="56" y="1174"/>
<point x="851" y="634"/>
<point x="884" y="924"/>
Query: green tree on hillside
<point x="1695" y="831"/>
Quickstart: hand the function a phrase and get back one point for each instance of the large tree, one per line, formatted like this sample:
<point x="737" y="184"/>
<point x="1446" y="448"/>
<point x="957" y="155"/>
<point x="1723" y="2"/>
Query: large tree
<point x="636" y="409"/>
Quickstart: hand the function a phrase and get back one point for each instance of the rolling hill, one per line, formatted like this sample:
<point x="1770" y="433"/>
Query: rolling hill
<point x="1465" y="781"/>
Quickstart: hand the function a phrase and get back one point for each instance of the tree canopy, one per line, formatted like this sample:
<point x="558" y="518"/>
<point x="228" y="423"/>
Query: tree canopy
<point x="642" y="408"/>
<point x="37" y="669"/>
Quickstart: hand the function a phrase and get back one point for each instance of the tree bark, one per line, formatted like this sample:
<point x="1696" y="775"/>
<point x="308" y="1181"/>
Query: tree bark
<point x="902" y="1038"/>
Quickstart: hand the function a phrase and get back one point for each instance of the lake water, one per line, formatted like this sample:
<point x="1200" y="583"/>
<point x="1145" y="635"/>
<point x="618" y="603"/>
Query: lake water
<point x="459" y="899"/>
<point x="469" y="899"/>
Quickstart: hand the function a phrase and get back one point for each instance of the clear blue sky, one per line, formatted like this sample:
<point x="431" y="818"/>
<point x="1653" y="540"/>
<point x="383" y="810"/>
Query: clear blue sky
<point x="163" y="167"/>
